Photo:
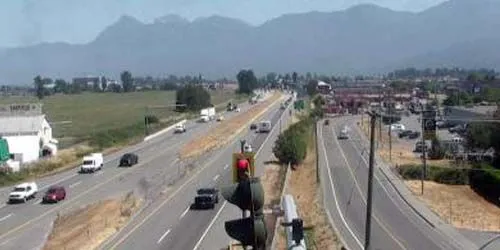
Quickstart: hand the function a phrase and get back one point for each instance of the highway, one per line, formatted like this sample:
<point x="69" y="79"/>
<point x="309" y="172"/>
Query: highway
<point x="25" y="226"/>
<point x="344" y="171"/>
<point x="168" y="223"/>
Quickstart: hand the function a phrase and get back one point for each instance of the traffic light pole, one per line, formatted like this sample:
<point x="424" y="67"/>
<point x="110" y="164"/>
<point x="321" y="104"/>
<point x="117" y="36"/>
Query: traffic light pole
<point x="368" y="222"/>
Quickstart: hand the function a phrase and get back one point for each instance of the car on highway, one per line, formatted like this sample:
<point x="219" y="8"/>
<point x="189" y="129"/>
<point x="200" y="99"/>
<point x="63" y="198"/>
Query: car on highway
<point x="129" y="159"/>
<point x="179" y="128"/>
<point x="343" y="135"/>
<point x="247" y="148"/>
<point x="206" y="198"/>
<point x="23" y="192"/>
<point x="327" y="122"/>
<point x="253" y="126"/>
<point x="54" y="194"/>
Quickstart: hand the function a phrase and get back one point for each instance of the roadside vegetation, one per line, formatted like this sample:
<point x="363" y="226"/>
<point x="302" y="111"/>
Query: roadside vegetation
<point x="90" y="226"/>
<point x="297" y="146"/>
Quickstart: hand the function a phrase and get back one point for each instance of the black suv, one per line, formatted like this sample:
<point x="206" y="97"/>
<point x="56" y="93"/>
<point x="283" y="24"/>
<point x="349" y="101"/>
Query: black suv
<point x="206" y="198"/>
<point x="129" y="159"/>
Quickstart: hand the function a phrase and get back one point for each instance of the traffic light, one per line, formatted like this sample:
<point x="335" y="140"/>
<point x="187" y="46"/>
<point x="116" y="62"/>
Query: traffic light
<point x="247" y="195"/>
<point x="243" y="166"/>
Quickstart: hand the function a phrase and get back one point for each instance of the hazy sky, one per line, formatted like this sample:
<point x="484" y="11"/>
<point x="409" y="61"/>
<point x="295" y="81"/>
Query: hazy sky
<point x="25" y="22"/>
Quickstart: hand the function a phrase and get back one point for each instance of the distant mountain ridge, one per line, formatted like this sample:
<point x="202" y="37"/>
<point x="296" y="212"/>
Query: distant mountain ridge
<point x="362" y="39"/>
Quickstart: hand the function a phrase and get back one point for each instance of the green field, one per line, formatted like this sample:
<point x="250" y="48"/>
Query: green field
<point x="91" y="113"/>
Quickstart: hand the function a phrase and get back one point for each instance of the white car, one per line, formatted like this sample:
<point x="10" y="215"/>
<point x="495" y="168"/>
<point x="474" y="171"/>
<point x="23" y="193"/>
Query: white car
<point x="247" y="148"/>
<point x="220" y="118"/>
<point x="180" y="128"/>
<point x="23" y="192"/>
<point x="398" y="127"/>
<point x="238" y="109"/>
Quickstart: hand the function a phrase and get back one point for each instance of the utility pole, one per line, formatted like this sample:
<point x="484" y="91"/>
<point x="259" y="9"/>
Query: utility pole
<point x="380" y="120"/>
<point x="368" y="222"/>
<point x="424" y="157"/>
<point x="390" y="127"/>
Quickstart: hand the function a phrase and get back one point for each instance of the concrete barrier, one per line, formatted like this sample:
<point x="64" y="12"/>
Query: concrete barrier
<point x="163" y="131"/>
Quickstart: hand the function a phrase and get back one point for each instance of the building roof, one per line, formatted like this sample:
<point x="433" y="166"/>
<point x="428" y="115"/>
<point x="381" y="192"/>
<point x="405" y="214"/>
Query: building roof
<point x="21" y="124"/>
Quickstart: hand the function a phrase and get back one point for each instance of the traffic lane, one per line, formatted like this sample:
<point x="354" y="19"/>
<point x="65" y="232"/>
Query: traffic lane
<point x="416" y="233"/>
<point x="215" y="236"/>
<point x="84" y="193"/>
<point x="80" y="182"/>
<point x="333" y="207"/>
<point x="182" y="230"/>
<point x="110" y="168"/>
<point x="141" y="231"/>
<point x="142" y="147"/>
<point x="353" y="199"/>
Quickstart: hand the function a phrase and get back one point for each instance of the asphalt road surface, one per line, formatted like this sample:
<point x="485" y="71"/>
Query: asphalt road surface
<point x="344" y="167"/>
<point x="25" y="226"/>
<point x="169" y="223"/>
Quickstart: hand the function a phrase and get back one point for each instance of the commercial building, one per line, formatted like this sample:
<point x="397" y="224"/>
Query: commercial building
<point x="27" y="132"/>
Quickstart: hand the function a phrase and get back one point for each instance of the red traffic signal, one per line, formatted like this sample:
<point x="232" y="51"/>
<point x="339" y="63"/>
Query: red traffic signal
<point x="243" y="166"/>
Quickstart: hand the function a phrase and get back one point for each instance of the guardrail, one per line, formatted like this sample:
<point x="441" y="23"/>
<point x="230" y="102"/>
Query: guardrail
<point x="283" y="189"/>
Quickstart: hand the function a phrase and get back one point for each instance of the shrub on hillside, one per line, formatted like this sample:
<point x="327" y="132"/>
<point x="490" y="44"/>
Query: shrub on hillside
<point x="442" y="175"/>
<point x="291" y="145"/>
<point x="485" y="180"/>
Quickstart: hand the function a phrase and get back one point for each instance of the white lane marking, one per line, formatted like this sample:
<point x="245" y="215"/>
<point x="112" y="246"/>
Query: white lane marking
<point x="225" y="167"/>
<point x="5" y="217"/>
<point x="358" y="187"/>
<point x="216" y="177"/>
<point x="1" y="206"/>
<point x="225" y="202"/>
<point x="209" y="226"/>
<point x="163" y="236"/>
<point x="58" y="181"/>
<point x="38" y="201"/>
<point x="184" y="213"/>
<point x="5" y="242"/>
<point x="334" y="194"/>
<point x="75" y="184"/>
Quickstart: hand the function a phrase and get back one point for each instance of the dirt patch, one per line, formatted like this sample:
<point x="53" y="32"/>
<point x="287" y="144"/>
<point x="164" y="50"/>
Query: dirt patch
<point x="88" y="227"/>
<point x="458" y="205"/>
<point x="306" y="192"/>
<point x="224" y="132"/>
<point x="400" y="153"/>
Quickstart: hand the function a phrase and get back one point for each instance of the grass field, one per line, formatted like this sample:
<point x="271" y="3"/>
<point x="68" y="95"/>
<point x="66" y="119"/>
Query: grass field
<point x="95" y="112"/>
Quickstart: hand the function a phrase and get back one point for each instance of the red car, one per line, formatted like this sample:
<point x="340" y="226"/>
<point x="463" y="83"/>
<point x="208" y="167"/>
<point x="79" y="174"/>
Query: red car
<point x="54" y="194"/>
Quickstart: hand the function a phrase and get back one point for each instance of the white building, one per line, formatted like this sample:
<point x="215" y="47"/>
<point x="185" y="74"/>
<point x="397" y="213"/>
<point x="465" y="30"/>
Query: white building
<point x="27" y="132"/>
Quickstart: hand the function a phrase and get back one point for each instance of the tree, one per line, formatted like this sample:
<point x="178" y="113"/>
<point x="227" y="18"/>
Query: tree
<point x="247" y="81"/>
<point x="437" y="152"/>
<point x="127" y="81"/>
<point x="194" y="97"/>
<point x="96" y="87"/>
<point x="312" y="87"/>
<point x="61" y="86"/>
<point x="294" y="77"/>
<point x="104" y="83"/>
<point x="39" y="88"/>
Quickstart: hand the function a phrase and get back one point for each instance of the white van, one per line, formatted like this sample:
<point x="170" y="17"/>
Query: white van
<point x="92" y="163"/>
<point x="264" y="127"/>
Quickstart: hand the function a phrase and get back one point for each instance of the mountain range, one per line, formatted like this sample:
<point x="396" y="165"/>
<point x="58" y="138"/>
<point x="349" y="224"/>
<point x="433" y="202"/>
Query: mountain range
<point x="362" y="39"/>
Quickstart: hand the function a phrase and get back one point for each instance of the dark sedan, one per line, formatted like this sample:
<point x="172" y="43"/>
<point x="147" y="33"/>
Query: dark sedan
<point x="129" y="159"/>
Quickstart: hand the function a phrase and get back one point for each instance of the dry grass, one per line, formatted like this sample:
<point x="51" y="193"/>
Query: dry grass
<point x="458" y="204"/>
<point x="302" y="185"/>
<point x="88" y="227"/>
<point x="224" y="132"/>
<point x="402" y="153"/>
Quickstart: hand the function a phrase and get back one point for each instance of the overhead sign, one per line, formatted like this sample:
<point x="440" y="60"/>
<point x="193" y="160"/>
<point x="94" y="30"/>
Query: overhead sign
<point x="21" y="109"/>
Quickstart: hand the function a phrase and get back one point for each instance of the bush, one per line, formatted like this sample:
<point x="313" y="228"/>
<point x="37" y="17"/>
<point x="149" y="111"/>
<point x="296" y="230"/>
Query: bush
<point x="112" y="137"/>
<point x="485" y="181"/>
<point x="291" y="145"/>
<point x="438" y="174"/>
<point x="150" y="119"/>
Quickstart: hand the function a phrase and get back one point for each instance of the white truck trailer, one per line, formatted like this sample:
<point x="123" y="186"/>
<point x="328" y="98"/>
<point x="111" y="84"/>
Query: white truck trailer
<point x="207" y="114"/>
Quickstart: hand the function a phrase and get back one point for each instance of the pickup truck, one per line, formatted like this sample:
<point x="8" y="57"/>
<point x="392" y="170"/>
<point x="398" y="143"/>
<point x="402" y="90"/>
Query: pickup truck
<point x="180" y="128"/>
<point x="205" y="198"/>
<point x="23" y="192"/>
